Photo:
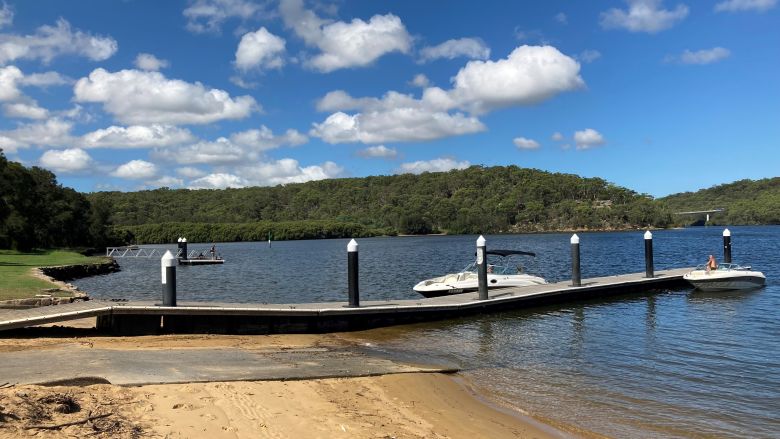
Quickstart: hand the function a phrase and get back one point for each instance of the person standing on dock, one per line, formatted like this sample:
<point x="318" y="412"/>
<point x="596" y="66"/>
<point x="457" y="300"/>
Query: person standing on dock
<point x="213" y="251"/>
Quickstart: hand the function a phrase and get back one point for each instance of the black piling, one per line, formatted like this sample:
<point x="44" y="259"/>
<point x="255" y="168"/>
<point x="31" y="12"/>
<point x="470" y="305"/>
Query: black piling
<point x="482" y="268"/>
<point x="352" y="274"/>
<point x="168" y="268"/>
<point x="576" y="275"/>
<point x="649" y="269"/>
<point x="727" y="246"/>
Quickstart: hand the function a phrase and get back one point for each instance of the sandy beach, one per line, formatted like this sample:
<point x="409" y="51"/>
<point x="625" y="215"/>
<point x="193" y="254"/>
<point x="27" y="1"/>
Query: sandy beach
<point x="409" y="405"/>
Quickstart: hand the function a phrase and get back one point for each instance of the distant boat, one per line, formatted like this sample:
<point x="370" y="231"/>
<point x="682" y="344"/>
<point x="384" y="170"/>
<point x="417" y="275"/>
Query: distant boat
<point x="726" y="277"/>
<point x="500" y="275"/>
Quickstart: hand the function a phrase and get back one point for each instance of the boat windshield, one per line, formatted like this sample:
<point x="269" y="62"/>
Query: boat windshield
<point x="498" y="265"/>
<point x="725" y="267"/>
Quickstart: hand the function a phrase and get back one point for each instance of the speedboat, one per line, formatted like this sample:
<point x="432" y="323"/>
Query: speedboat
<point x="499" y="275"/>
<point x="726" y="277"/>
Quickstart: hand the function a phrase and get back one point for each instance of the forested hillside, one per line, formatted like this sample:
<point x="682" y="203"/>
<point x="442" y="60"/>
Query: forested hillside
<point x="37" y="212"/>
<point x="474" y="200"/>
<point x="745" y="201"/>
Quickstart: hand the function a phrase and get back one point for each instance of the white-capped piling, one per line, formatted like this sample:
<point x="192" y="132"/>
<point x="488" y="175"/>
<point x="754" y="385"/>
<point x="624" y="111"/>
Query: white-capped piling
<point x="168" y="271"/>
<point x="576" y="275"/>
<point x="649" y="269"/>
<point x="352" y="274"/>
<point x="727" y="246"/>
<point x="482" y="268"/>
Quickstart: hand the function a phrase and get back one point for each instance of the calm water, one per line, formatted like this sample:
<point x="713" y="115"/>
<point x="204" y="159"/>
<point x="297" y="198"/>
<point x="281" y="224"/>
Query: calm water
<point x="663" y="364"/>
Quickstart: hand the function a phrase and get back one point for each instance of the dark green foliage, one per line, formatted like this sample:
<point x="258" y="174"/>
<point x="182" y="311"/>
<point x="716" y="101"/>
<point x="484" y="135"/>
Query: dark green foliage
<point x="473" y="200"/>
<point x="36" y="212"/>
<point x="746" y="202"/>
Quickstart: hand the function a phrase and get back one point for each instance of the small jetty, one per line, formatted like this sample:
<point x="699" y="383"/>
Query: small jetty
<point x="138" y="318"/>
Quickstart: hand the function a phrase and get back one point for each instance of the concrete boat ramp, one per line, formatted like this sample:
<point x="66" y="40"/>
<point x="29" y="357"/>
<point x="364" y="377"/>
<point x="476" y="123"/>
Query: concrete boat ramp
<point x="138" y="318"/>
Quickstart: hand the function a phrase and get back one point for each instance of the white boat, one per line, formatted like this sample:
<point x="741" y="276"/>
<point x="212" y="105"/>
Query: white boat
<point x="726" y="277"/>
<point x="500" y="275"/>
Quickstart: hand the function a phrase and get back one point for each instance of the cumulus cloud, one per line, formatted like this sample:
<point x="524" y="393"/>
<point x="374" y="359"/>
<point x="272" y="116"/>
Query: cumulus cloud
<point x="345" y="45"/>
<point x="166" y="181"/>
<point x="588" y="138"/>
<point x="9" y="79"/>
<point x="49" y="42"/>
<point x="588" y="56"/>
<point x="209" y="15"/>
<point x="523" y="143"/>
<point x="136" y="136"/>
<point x="705" y="56"/>
<point x="745" y="5"/>
<point x="379" y="151"/>
<point x="557" y="136"/>
<point x="147" y="61"/>
<point x="190" y="172"/>
<point x="136" y="170"/>
<point x="241" y="147"/>
<point x="286" y="171"/>
<point x="139" y="97"/>
<point x="643" y="16"/>
<point x="435" y="165"/>
<point x="530" y="74"/>
<point x="25" y="110"/>
<point x="218" y="180"/>
<point x="52" y="132"/>
<point x="260" y="50"/>
<point x="421" y="81"/>
<point x="45" y="79"/>
<point x="66" y="161"/>
<point x="473" y="48"/>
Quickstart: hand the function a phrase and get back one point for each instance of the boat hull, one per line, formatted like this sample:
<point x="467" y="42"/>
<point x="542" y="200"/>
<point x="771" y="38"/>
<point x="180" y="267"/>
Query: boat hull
<point x="448" y="285"/>
<point x="724" y="281"/>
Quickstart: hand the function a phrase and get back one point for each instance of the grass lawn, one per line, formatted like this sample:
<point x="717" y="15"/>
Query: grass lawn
<point x="15" y="279"/>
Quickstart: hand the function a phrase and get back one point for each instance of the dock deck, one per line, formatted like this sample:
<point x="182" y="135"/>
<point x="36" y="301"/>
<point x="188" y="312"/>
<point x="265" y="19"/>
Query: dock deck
<point x="134" y="318"/>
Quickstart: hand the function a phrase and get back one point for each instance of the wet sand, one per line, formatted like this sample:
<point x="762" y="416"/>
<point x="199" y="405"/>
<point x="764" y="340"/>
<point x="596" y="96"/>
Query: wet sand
<point x="414" y="405"/>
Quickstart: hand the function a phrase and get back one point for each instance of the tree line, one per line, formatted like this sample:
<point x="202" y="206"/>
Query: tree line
<point x="37" y="212"/>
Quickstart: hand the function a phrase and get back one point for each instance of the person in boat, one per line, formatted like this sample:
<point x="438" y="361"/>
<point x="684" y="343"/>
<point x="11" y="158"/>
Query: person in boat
<point x="490" y="268"/>
<point x="712" y="264"/>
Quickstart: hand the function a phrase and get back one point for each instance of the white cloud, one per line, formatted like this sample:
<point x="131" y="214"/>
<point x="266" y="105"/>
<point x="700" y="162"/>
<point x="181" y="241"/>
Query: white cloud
<point x="557" y="136"/>
<point x="530" y="74"/>
<point x="136" y="170"/>
<point x="561" y="18"/>
<point x="286" y="171"/>
<point x="340" y="100"/>
<point x="345" y="45"/>
<point x="45" y="79"/>
<point x="49" y="42"/>
<point x="588" y="56"/>
<point x="52" y="132"/>
<point x="136" y="136"/>
<point x="167" y="181"/>
<point x="69" y="160"/>
<point x="706" y="56"/>
<point x="6" y="15"/>
<point x="241" y="147"/>
<point x="208" y="15"/>
<point x="379" y="151"/>
<point x="643" y="16"/>
<point x="138" y="97"/>
<point x="523" y="143"/>
<point x="420" y="80"/>
<point x="147" y="61"/>
<point x="473" y="48"/>
<point x="190" y="172"/>
<point x="25" y="110"/>
<point x="745" y="5"/>
<point x="260" y="50"/>
<point x="9" y="78"/>
<point x="435" y="165"/>
<point x="218" y="181"/>
<point x="588" y="138"/>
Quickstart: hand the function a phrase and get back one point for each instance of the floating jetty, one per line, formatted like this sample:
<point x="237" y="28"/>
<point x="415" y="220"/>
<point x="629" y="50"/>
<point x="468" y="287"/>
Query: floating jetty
<point x="138" y="318"/>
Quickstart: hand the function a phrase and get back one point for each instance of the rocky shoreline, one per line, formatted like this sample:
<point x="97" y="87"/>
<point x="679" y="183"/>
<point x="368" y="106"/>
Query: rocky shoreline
<point x="59" y="275"/>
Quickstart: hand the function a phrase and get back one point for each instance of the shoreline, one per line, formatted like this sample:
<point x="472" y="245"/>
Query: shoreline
<point x="407" y="405"/>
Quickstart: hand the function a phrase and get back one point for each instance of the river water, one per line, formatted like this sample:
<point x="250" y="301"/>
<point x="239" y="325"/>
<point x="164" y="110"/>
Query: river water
<point x="660" y="364"/>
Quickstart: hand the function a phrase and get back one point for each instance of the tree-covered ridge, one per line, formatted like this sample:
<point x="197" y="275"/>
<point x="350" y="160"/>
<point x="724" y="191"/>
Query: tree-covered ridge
<point x="37" y="212"/>
<point x="473" y="200"/>
<point x="745" y="201"/>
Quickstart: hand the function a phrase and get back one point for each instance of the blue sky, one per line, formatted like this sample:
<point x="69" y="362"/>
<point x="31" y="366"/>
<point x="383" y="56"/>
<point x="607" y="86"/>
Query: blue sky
<point x="658" y="96"/>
